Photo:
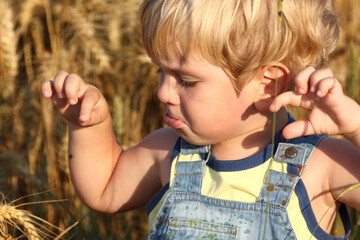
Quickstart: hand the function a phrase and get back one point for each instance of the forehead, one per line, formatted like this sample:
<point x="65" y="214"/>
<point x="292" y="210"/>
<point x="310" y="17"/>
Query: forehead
<point x="190" y="65"/>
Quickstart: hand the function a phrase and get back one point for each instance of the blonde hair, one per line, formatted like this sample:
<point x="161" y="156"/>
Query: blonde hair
<point x="240" y="36"/>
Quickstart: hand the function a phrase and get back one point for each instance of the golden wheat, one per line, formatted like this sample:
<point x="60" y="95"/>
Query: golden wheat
<point x="18" y="219"/>
<point x="27" y="11"/>
<point x="8" y="39"/>
<point x="86" y="32"/>
<point x="99" y="6"/>
<point x="15" y="221"/>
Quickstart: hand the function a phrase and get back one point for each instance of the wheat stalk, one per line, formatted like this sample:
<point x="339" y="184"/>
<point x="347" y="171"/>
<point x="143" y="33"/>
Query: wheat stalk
<point x="8" y="38"/>
<point x="19" y="219"/>
<point x="347" y="190"/>
<point x="86" y="32"/>
<point x="26" y="12"/>
<point x="25" y="223"/>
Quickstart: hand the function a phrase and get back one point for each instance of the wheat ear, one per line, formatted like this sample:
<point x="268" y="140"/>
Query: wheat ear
<point x="8" y="38"/>
<point x="26" y="12"/>
<point x="19" y="219"/>
<point x="86" y="32"/>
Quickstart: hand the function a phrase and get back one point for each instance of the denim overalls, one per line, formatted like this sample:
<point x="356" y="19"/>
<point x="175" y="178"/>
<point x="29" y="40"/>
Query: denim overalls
<point x="186" y="214"/>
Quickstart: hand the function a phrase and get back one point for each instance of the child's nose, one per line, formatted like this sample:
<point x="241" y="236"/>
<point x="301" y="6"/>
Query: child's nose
<point x="167" y="91"/>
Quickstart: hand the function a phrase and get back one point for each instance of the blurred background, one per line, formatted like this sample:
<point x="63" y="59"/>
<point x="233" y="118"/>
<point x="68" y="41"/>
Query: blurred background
<point x="101" y="41"/>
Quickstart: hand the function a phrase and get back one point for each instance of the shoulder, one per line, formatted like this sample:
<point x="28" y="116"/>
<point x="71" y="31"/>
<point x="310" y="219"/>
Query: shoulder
<point x="154" y="148"/>
<point x="339" y="162"/>
<point x="160" y="145"/>
<point x="338" y="153"/>
<point x="161" y="140"/>
<point x="332" y="168"/>
<point x="332" y="152"/>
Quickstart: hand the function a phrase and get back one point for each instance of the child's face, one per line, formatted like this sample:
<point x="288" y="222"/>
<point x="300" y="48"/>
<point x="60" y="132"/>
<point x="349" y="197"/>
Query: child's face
<point x="201" y="103"/>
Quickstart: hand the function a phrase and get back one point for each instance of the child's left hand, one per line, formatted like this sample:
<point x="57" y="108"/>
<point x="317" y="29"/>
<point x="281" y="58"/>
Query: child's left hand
<point x="329" y="110"/>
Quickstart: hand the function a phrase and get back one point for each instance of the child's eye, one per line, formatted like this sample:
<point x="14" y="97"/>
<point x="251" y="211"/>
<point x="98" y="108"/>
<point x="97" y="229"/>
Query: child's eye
<point x="186" y="84"/>
<point x="180" y="81"/>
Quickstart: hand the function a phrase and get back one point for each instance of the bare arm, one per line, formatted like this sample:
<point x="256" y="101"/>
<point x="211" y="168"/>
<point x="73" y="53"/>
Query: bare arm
<point x="344" y="170"/>
<point x="333" y="113"/>
<point x="109" y="179"/>
<point x="106" y="177"/>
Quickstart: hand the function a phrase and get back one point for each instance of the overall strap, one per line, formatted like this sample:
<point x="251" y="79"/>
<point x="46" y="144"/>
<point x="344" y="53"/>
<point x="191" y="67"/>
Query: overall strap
<point x="279" y="186"/>
<point x="190" y="168"/>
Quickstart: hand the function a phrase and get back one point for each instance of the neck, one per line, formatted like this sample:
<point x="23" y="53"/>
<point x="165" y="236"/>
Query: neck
<point x="252" y="142"/>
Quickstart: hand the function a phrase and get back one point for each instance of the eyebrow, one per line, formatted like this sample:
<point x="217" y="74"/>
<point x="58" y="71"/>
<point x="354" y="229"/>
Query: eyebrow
<point x="181" y="71"/>
<point x="183" y="67"/>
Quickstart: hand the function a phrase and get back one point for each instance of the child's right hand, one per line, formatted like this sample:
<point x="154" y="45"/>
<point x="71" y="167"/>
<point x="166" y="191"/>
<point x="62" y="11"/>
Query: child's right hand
<point x="80" y="103"/>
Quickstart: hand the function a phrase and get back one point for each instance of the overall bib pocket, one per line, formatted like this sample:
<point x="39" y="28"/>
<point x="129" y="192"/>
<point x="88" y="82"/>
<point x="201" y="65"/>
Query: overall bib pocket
<point x="186" y="229"/>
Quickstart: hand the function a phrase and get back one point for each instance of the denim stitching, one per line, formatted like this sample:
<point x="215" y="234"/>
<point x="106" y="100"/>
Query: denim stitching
<point x="187" y="174"/>
<point x="175" y="225"/>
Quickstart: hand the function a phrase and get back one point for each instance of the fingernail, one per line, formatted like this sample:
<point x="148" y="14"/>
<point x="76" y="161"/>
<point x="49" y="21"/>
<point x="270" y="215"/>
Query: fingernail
<point x="61" y="95"/>
<point x="46" y="93"/>
<point x="272" y="107"/>
<point x="312" y="89"/>
<point x="84" y="118"/>
<point x="72" y="102"/>
<point x="301" y="91"/>
<point x="318" y="93"/>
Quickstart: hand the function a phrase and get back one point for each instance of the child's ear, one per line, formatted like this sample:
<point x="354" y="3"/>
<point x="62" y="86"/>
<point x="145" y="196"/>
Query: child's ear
<point x="266" y="82"/>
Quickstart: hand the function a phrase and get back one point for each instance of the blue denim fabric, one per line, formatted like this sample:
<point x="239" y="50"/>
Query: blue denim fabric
<point x="186" y="214"/>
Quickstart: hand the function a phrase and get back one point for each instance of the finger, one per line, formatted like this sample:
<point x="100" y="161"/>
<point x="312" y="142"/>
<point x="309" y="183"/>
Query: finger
<point x="325" y="86"/>
<point x="72" y="88"/>
<point x="60" y="103"/>
<point x="90" y="100"/>
<point x="287" y="98"/>
<point x="301" y="80"/>
<point x="318" y="76"/>
<point x="297" y="129"/>
<point x="59" y="81"/>
<point x="46" y="88"/>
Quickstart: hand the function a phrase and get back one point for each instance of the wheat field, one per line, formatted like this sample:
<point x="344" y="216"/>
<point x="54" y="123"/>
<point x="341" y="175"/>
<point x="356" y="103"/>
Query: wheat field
<point x="101" y="41"/>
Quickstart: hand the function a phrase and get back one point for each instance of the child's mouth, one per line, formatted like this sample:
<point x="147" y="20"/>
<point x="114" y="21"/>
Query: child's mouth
<point x="172" y="122"/>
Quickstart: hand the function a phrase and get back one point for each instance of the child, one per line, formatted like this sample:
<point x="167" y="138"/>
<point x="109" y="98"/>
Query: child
<point x="210" y="174"/>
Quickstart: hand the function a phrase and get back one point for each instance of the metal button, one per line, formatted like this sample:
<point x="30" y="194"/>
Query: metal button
<point x="290" y="152"/>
